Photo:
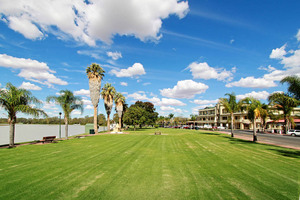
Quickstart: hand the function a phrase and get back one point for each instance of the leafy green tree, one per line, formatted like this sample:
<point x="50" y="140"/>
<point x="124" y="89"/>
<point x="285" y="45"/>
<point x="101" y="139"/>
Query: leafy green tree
<point x="15" y="100"/>
<point x="95" y="74"/>
<point x="171" y="116"/>
<point x="68" y="103"/>
<point x="150" y="114"/>
<point x="108" y="93"/>
<point x="294" y="85"/>
<point x="264" y="115"/>
<point x="285" y="103"/>
<point x="134" y="116"/>
<point x="231" y="105"/>
<point x="254" y="110"/>
<point x="102" y="120"/>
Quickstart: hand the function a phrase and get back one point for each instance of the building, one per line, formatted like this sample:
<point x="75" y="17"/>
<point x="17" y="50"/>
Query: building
<point x="217" y="116"/>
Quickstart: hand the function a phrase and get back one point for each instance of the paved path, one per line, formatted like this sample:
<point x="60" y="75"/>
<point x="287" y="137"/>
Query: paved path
<point x="275" y="139"/>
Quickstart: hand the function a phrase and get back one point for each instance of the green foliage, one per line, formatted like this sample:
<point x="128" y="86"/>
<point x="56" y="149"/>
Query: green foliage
<point x="294" y="85"/>
<point x="179" y="164"/>
<point x="140" y="113"/>
<point x="95" y="70"/>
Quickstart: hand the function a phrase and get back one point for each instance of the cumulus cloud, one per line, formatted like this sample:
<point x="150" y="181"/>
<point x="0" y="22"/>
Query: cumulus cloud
<point x="170" y="108"/>
<point x="89" y="21"/>
<point x="204" y="71"/>
<point x="136" y="69"/>
<point x="251" y="82"/>
<point x="114" y="55"/>
<point x="29" y="86"/>
<point x="141" y="96"/>
<point x="89" y="107"/>
<point x="86" y="101"/>
<point x="278" y="53"/>
<point x="257" y="95"/>
<point x="203" y="102"/>
<point x="184" y="89"/>
<point x="49" y="106"/>
<point x="82" y="92"/>
<point x="124" y="84"/>
<point x="31" y="70"/>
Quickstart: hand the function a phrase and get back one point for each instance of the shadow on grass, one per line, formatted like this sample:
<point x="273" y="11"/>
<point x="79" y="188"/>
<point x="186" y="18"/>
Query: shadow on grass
<point x="287" y="153"/>
<point x="210" y="133"/>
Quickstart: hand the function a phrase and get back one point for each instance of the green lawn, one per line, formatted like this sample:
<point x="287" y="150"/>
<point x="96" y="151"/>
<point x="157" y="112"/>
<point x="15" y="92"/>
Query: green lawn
<point x="181" y="164"/>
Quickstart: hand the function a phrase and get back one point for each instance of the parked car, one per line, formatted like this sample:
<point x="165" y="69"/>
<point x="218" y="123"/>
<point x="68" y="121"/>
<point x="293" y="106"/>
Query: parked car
<point x="221" y="127"/>
<point x="293" y="132"/>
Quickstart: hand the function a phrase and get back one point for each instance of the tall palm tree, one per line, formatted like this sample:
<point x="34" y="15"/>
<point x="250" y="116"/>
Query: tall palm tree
<point x="108" y="93"/>
<point x="285" y="103"/>
<point x="95" y="74"/>
<point x="231" y="105"/>
<point x="264" y="115"/>
<point x="254" y="111"/>
<point x="119" y="101"/>
<point x="15" y="100"/>
<point x="294" y="85"/>
<point x="68" y="103"/>
<point x="171" y="116"/>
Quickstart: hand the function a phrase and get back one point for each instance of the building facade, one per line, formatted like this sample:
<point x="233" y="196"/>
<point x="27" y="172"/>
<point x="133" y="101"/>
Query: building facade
<point x="218" y="117"/>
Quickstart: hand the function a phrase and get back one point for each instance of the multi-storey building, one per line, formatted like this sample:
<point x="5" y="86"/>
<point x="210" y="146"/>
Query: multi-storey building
<point x="217" y="116"/>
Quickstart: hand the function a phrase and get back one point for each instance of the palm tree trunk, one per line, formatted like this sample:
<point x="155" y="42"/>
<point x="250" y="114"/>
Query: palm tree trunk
<point x="232" y="125"/>
<point x="120" y="120"/>
<point x="254" y="131"/>
<point x="108" y="122"/>
<point x="66" y="127"/>
<point x="286" y="121"/>
<point x="95" y="119"/>
<point x="11" y="133"/>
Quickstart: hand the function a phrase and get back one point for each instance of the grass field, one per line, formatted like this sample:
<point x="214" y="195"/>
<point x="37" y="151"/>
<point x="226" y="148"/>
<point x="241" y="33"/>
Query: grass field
<point x="180" y="164"/>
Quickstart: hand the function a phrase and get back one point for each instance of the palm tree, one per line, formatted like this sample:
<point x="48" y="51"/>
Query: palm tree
<point x="119" y="101"/>
<point x="15" y="100"/>
<point x="68" y="103"/>
<point x="285" y="103"/>
<point x="294" y="85"/>
<point x="264" y="115"/>
<point x="95" y="74"/>
<point x="171" y="115"/>
<point x="254" y="111"/>
<point x="108" y="93"/>
<point x="231" y="105"/>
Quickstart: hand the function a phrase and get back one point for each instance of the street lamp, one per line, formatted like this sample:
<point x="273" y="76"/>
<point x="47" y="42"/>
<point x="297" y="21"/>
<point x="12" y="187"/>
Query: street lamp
<point x="59" y="124"/>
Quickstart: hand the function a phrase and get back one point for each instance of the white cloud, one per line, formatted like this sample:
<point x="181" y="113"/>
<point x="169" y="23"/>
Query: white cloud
<point x="257" y="95"/>
<point x="170" y="108"/>
<point x="298" y="35"/>
<point x="184" y="89"/>
<point x="231" y="41"/>
<point x="25" y="27"/>
<point x="251" y="82"/>
<point x="124" y="84"/>
<point x="141" y="96"/>
<point x="145" y="84"/>
<point x="76" y="112"/>
<point x="89" y="107"/>
<point x="90" y="21"/>
<point x="29" y="86"/>
<point x="49" y="106"/>
<point x="203" y="102"/>
<point x="86" y="101"/>
<point x="268" y="69"/>
<point x="82" y="92"/>
<point x="136" y="70"/>
<point x="278" y="53"/>
<point x="204" y="71"/>
<point x="114" y="55"/>
<point x="31" y="70"/>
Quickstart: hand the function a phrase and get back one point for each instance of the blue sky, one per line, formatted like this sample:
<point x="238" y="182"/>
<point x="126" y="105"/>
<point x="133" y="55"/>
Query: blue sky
<point x="179" y="55"/>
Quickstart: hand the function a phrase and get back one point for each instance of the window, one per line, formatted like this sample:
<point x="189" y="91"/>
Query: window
<point x="224" y="118"/>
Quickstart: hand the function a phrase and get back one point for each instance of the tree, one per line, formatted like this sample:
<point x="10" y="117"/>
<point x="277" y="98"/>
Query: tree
<point x="95" y="74"/>
<point x="134" y="115"/>
<point x="231" y="105"/>
<point x="14" y="100"/>
<point x="194" y="118"/>
<point x="108" y="93"/>
<point x="119" y="101"/>
<point x="171" y="115"/>
<point x="285" y="103"/>
<point x="150" y="114"/>
<point x="68" y="103"/>
<point x="254" y="111"/>
<point x="294" y="85"/>
<point x="264" y="115"/>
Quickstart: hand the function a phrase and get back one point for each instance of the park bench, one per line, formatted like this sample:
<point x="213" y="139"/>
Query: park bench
<point x="157" y="133"/>
<point x="48" y="139"/>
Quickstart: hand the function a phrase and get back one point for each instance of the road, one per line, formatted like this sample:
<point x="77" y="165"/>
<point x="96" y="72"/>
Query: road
<point x="276" y="139"/>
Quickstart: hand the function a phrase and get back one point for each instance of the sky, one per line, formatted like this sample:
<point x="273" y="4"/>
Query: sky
<point x="180" y="55"/>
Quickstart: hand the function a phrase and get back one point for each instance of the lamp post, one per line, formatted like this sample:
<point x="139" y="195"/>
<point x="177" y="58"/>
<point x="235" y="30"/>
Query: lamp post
<point x="59" y="124"/>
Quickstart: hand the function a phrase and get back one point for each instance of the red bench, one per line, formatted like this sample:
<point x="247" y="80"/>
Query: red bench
<point x="48" y="139"/>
